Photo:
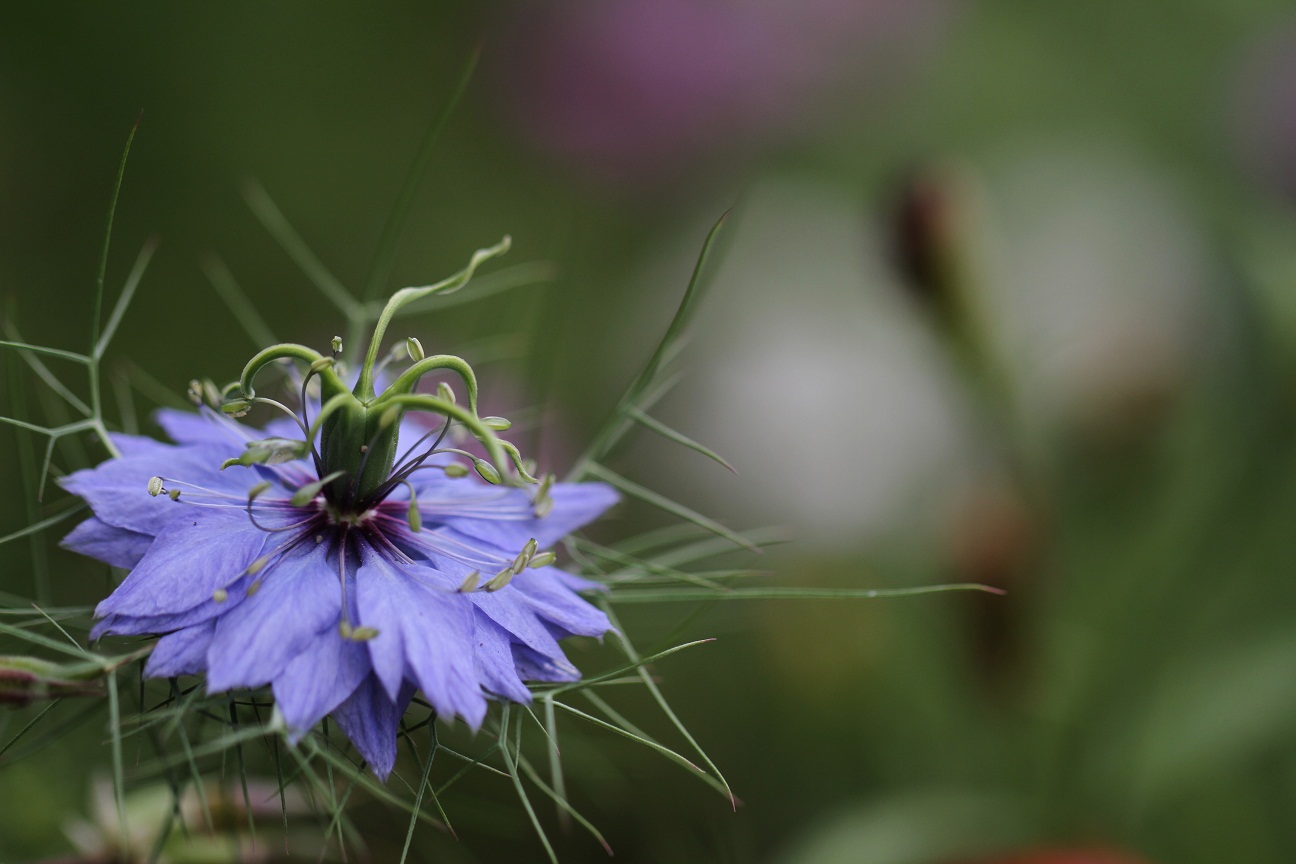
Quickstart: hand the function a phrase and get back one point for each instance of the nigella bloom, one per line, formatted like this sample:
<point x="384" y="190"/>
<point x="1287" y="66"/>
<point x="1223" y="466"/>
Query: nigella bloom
<point x="350" y="558"/>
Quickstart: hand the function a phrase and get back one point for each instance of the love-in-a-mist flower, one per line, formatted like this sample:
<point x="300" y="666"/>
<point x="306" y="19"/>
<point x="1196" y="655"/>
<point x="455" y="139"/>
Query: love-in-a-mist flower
<point x="347" y="555"/>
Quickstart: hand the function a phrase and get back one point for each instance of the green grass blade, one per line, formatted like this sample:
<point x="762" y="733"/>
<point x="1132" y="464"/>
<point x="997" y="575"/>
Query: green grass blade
<point x="678" y="437"/>
<point x="633" y="656"/>
<point x="103" y="257"/>
<point x="418" y="805"/>
<point x="510" y="764"/>
<point x="48" y="352"/>
<point x="274" y="221"/>
<point x="236" y="300"/>
<point x="649" y="595"/>
<point x="636" y="664"/>
<point x="607" y="437"/>
<point x="399" y="215"/>
<point x="634" y="490"/>
<point x="124" y="301"/>
<point x="119" y="778"/>
<point x="44" y="372"/>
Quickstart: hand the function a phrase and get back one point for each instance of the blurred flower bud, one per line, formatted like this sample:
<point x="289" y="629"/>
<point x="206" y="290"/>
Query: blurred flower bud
<point x="24" y="680"/>
<point x="1065" y="856"/>
<point x="933" y="243"/>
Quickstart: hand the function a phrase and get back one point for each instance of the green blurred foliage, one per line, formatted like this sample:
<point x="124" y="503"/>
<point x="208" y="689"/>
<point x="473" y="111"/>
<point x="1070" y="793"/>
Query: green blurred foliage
<point x="1137" y="688"/>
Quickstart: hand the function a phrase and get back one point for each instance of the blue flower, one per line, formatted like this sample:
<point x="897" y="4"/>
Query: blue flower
<point x="345" y="597"/>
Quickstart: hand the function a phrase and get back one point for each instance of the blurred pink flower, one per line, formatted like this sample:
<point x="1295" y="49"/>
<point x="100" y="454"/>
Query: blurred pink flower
<point x="1067" y="856"/>
<point x="1267" y="112"/>
<point x="633" y="89"/>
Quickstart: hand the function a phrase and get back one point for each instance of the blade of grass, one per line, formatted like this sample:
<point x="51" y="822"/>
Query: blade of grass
<point x="678" y="437"/>
<point x="633" y="656"/>
<point x="521" y="790"/>
<point x="648" y="496"/>
<point x="612" y="431"/>
<point x="399" y="215"/>
<point x="237" y="302"/>
<point x="649" y="595"/>
<point x="274" y="221"/>
<point x="103" y="256"/>
<point x="128" y="294"/>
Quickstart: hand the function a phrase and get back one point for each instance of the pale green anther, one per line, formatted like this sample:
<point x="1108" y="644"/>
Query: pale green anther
<point x="415" y="517"/>
<point x="321" y="364"/>
<point x="258" y="490"/>
<point x="363" y="634"/>
<point x="337" y="345"/>
<point x="173" y="494"/>
<point x="155" y="486"/>
<point x="497" y="424"/>
<point x="543" y="507"/>
<point x="487" y="471"/>
<point x="544" y="559"/>
<point x="446" y="392"/>
<point x="344" y="630"/>
<point x="237" y="407"/>
<point x="415" y="349"/>
<point x="269" y="451"/>
<point x="220" y="595"/>
<point x="254" y="588"/>
<point x="196" y="392"/>
<point x="307" y="493"/>
<point x="470" y="583"/>
<point x="258" y="565"/>
<point x="501" y="579"/>
<point x="524" y="557"/>
<point x="455" y="470"/>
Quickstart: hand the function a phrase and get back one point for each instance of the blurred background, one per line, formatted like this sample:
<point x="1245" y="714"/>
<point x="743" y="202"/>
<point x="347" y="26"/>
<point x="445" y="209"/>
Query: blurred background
<point x="1008" y="296"/>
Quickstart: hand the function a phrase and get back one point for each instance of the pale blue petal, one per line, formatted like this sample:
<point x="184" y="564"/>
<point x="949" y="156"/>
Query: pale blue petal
<point x="493" y="656"/>
<point x="516" y="613"/>
<point x="116" y="546"/>
<point x="203" y="427"/>
<point x="319" y="679"/>
<point x="424" y="626"/>
<point x="299" y="597"/>
<point x="371" y="719"/>
<point x="206" y="550"/>
<point x="537" y="667"/>
<point x="575" y="505"/>
<point x="183" y="652"/>
<point x="550" y="599"/>
<point x="117" y="490"/>
<point x="130" y="625"/>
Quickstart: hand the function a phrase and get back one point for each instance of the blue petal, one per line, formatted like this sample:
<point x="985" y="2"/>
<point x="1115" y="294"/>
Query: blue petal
<point x="299" y="598"/>
<point x="424" y="626"/>
<point x="493" y="656"/>
<point x="131" y="625"/>
<point x="318" y="680"/>
<point x="537" y="667"/>
<point x="117" y="490"/>
<point x="370" y="719"/>
<point x="550" y="599"/>
<point x="183" y="652"/>
<point x="517" y="614"/>
<point x="206" y="427"/>
<point x="116" y="546"/>
<point x="195" y="555"/>
<point x="575" y="505"/>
